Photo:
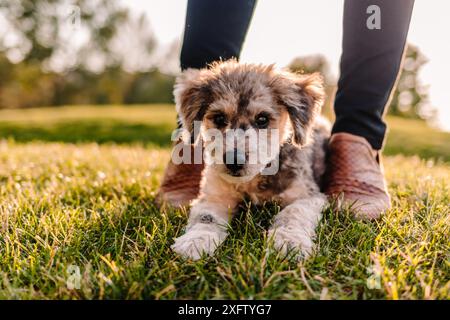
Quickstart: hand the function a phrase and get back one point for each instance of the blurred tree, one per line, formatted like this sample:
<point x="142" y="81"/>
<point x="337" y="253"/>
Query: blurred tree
<point x="77" y="52"/>
<point x="42" y="30"/>
<point x="313" y="63"/>
<point x="410" y="98"/>
<point x="318" y="63"/>
<point x="151" y="86"/>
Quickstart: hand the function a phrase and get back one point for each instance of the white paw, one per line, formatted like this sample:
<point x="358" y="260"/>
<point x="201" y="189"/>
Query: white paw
<point x="287" y="239"/>
<point x="198" y="240"/>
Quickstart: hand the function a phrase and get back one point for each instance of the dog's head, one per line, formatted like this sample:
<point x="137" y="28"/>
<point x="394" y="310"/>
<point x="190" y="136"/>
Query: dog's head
<point x="238" y="101"/>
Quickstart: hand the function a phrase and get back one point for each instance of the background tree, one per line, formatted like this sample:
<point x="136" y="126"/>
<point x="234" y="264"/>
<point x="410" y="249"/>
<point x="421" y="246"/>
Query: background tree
<point x="77" y="52"/>
<point x="410" y="98"/>
<point x="318" y="63"/>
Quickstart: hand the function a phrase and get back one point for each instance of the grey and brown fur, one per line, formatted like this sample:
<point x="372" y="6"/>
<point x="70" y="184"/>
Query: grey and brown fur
<point x="241" y="93"/>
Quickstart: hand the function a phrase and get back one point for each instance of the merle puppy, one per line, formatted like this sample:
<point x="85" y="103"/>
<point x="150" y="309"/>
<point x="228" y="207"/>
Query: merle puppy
<point x="248" y="97"/>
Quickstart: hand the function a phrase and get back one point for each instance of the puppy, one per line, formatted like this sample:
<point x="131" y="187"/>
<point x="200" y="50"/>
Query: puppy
<point x="235" y="97"/>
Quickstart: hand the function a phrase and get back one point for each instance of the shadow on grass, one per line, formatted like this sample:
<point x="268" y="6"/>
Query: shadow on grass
<point x="100" y="131"/>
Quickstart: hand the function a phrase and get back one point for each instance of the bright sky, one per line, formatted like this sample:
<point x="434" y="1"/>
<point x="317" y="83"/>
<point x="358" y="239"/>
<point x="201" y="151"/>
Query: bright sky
<point x="282" y="30"/>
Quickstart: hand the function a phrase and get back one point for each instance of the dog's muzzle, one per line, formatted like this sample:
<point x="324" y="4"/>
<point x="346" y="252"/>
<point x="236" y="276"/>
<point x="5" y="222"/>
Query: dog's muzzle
<point x="234" y="161"/>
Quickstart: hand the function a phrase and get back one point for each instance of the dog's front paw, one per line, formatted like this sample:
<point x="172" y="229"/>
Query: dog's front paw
<point x="198" y="240"/>
<point x="287" y="239"/>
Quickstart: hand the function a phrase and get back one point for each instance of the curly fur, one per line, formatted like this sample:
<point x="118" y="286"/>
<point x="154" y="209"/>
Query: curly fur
<point x="293" y="101"/>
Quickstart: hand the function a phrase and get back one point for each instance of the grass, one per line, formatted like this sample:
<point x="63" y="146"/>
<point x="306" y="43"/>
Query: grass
<point x="87" y="200"/>
<point x="152" y="125"/>
<point x="414" y="137"/>
<point x="134" y="124"/>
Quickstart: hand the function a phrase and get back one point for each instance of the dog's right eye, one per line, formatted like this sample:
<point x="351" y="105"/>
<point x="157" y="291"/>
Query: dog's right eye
<point x="220" y="120"/>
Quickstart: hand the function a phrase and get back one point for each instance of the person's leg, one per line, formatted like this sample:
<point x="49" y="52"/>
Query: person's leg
<point x="370" y="64"/>
<point x="214" y="30"/>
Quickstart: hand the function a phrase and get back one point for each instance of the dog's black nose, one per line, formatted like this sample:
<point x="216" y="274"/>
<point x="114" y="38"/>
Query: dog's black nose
<point x="234" y="160"/>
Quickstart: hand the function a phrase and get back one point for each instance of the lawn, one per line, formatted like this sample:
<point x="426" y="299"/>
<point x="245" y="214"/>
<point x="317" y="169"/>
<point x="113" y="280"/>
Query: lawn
<point x="77" y="187"/>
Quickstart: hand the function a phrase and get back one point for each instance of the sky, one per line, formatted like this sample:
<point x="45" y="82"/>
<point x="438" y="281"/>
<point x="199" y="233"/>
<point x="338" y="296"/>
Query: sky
<point x="282" y="29"/>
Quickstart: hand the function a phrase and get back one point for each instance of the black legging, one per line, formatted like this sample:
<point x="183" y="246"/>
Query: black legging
<point x="370" y="61"/>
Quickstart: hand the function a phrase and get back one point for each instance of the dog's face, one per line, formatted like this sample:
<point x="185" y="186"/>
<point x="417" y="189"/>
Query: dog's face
<point x="253" y="108"/>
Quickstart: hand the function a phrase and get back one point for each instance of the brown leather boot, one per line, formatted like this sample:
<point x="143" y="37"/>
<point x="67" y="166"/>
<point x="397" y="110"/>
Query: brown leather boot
<point x="181" y="183"/>
<point x="355" y="176"/>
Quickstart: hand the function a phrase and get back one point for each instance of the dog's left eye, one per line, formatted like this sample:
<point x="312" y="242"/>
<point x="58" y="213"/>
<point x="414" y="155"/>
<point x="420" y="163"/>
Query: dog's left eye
<point x="262" y="121"/>
<point x="220" y="120"/>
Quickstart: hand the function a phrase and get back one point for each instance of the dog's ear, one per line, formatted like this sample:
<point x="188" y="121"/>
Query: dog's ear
<point x="303" y="96"/>
<point x="192" y="96"/>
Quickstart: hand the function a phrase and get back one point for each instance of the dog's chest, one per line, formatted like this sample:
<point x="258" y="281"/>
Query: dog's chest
<point x="293" y="179"/>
